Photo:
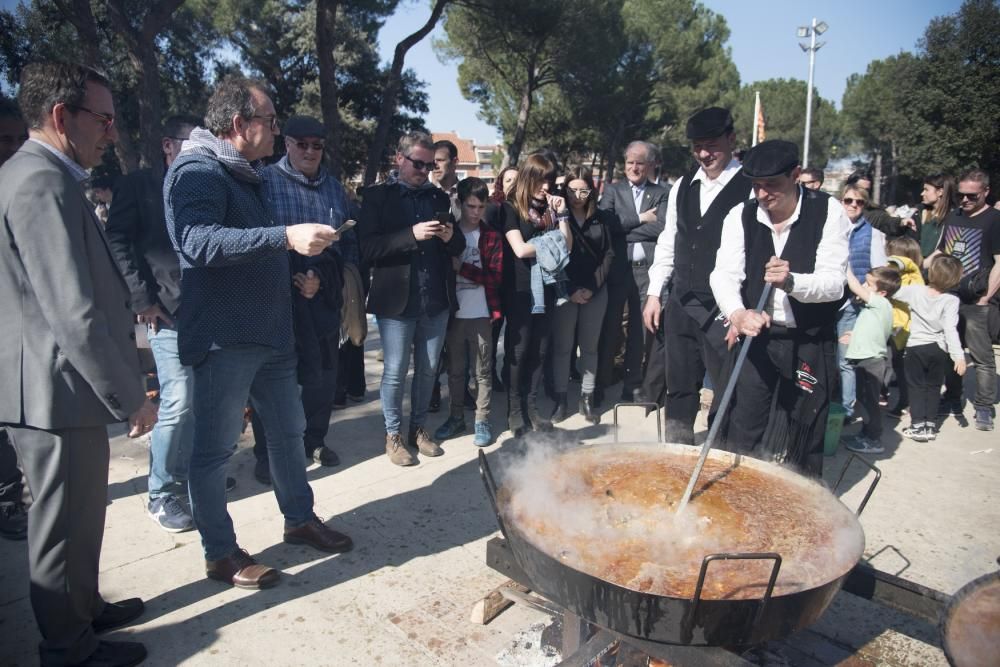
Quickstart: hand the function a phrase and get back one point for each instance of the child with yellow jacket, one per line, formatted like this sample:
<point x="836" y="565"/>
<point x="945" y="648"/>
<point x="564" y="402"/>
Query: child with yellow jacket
<point x="904" y="254"/>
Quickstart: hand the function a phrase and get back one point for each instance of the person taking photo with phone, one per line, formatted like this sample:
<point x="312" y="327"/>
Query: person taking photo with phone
<point x="412" y="289"/>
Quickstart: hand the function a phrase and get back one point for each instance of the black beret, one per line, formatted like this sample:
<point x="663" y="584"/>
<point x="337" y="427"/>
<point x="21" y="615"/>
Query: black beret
<point x="770" y="158"/>
<point x="710" y="123"/>
<point x="304" y="126"/>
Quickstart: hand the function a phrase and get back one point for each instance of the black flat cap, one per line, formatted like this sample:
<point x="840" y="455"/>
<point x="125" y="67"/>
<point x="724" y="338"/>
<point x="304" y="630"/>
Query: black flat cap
<point x="710" y="123"/>
<point x="303" y="126"/>
<point x="770" y="158"/>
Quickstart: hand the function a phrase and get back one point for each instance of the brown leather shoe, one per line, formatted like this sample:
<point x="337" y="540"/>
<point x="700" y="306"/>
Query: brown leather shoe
<point x="242" y="571"/>
<point x="397" y="452"/>
<point x="422" y="441"/>
<point x="317" y="534"/>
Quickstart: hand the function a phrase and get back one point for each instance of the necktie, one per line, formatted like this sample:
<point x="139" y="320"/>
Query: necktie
<point x="637" y="196"/>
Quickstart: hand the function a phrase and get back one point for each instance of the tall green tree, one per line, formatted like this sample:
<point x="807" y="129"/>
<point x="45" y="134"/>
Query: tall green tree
<point x="128" y="40"/>
<point x="880" y="115"/>
<point x="508" y="51"/>
<point x="139" y="25"/>
<point x="277" y="40"/>
<point x="674" y="62"/>
<point x="960" y="95"/>
<point x="935" y="110"/>
<point x="393" y="90"/>
<point x="784" y="105"/>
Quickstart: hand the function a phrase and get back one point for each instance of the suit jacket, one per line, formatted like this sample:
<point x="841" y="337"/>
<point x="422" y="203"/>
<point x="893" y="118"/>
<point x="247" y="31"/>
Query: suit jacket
<point x="137" y="233"/>
<point x="69" y="358"/>
<point x="387" y="243"/>
<point x="618" y="199"/>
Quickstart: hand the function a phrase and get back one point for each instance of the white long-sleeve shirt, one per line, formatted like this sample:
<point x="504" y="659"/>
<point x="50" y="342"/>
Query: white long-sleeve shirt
<point x="825" y="283"/>
<point x="663" y="259"/>
<point x="933" y="319"/>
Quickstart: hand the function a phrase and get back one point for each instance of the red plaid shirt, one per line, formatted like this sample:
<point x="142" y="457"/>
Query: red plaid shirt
<point x="489" y="276"/>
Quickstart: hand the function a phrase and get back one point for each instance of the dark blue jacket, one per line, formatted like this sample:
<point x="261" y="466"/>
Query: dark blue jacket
<point x="234" y="264"/>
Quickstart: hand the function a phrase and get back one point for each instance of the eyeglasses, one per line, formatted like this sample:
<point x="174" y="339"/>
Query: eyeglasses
<point x="582" y="193"/>
<point x="272" y="119"/>
<point x="969" y="195"/>
<point x="420" y="165"/>
<point x="849" y="201"/>
<point x="107" y="119"/>
<point x="306" y="145"/>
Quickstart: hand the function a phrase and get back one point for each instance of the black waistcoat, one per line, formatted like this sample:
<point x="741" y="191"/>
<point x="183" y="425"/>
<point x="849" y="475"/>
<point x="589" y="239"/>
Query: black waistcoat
<point x="799" y="251"/>
<point x="698" y="236"/>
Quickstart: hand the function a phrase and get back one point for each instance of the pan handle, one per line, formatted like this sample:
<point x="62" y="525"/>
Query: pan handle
<point x="696" y="600"/>
<point x="491" y="489"/>
<point x="871" y="489"/>
<point x="650" y="407"/>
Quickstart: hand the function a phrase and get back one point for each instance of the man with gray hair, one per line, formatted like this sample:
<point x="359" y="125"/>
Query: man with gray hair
<point x="408" y="237"/>
<point x="234" y="325"/>
<point x="639" y="204"/>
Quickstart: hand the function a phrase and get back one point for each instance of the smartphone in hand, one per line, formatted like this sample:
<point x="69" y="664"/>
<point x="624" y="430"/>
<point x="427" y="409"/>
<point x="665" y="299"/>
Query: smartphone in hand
<point x="444" y="217"/>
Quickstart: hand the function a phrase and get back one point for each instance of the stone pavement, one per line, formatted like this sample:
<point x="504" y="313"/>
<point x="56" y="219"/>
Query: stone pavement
<point x="403" y="596"/>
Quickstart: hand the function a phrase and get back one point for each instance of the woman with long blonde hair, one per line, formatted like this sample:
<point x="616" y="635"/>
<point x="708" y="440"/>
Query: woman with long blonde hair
<point x="529" y="212"/>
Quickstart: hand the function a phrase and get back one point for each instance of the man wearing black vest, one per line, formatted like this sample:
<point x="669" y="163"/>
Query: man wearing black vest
<point x="685" y="255"/>
<point x="796" y="241"/>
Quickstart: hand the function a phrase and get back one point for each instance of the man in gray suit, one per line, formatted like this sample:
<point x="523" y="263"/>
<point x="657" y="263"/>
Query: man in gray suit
<point x="639" y="204"/>
<point x="69" y="357"/>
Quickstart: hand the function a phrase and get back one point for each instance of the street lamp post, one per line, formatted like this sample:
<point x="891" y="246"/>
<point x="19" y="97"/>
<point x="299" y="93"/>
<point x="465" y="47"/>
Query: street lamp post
<point x="817" y="28"/>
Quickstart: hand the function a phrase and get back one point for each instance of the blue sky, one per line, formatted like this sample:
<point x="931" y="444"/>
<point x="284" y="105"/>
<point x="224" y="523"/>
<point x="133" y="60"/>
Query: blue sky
<point x="762" y="39"/>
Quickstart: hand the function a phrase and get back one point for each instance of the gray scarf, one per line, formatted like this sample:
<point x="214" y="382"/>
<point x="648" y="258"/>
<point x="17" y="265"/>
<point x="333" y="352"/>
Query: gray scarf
<point x="205" y="143"/>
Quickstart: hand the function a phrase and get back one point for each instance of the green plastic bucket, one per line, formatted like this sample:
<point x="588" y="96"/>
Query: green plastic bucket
<point x="834" y="425"/>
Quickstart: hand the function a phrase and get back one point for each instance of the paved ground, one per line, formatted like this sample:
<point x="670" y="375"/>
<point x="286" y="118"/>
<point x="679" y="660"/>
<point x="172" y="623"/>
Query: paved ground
<point x="403" y="596"/>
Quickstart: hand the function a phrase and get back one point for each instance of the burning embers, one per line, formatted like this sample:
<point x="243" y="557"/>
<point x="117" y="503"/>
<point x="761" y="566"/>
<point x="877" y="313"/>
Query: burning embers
<point x="609" y="511"/>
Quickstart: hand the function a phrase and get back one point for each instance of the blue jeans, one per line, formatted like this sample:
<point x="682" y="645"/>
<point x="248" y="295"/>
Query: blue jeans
<point x="223" y="382"/>
<point x="846" y="318"/>
<point x="425" y="336"/>
<point x="170" y="441"/>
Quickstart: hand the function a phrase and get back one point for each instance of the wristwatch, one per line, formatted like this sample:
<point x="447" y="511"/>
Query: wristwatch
<point x="789" y="284"/>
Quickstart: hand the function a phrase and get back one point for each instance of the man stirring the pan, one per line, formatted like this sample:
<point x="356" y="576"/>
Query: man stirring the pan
<point x="796" y="241"/>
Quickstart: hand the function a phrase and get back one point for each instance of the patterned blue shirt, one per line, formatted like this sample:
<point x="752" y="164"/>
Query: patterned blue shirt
<point x="233" y="258"/>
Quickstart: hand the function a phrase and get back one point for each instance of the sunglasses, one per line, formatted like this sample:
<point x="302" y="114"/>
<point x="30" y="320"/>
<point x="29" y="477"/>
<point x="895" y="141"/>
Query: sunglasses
<point x="420" y="165"/>
<point x="969" y="195"/>
<point x="848" y="201"/>
<point x="272" y="120"/>
<point x="106" y="119"/>
<point x="306" y="145"/>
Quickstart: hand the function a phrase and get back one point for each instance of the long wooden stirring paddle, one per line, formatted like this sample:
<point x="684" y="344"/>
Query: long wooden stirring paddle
<point x="723" y="404"/>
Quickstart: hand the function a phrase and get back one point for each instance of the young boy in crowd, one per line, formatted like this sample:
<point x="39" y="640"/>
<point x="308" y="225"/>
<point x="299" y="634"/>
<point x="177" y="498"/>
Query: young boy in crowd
<point x="866" y="350"/>
<point x="933" y="339"/>
<point x="478" y="290"/>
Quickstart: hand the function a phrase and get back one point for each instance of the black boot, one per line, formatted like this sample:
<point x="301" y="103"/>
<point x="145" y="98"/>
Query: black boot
<point x="515" y="416"/>
<point x="560" y="409"/>
<point x="538" y="422"/>
<point x="587" y="409"/>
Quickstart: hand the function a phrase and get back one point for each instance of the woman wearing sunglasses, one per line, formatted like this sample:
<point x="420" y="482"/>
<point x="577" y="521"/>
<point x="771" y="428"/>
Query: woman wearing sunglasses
<point x="529" y="213"/>
<point x="578" y="321"/>
<point x="866" y="251"/>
